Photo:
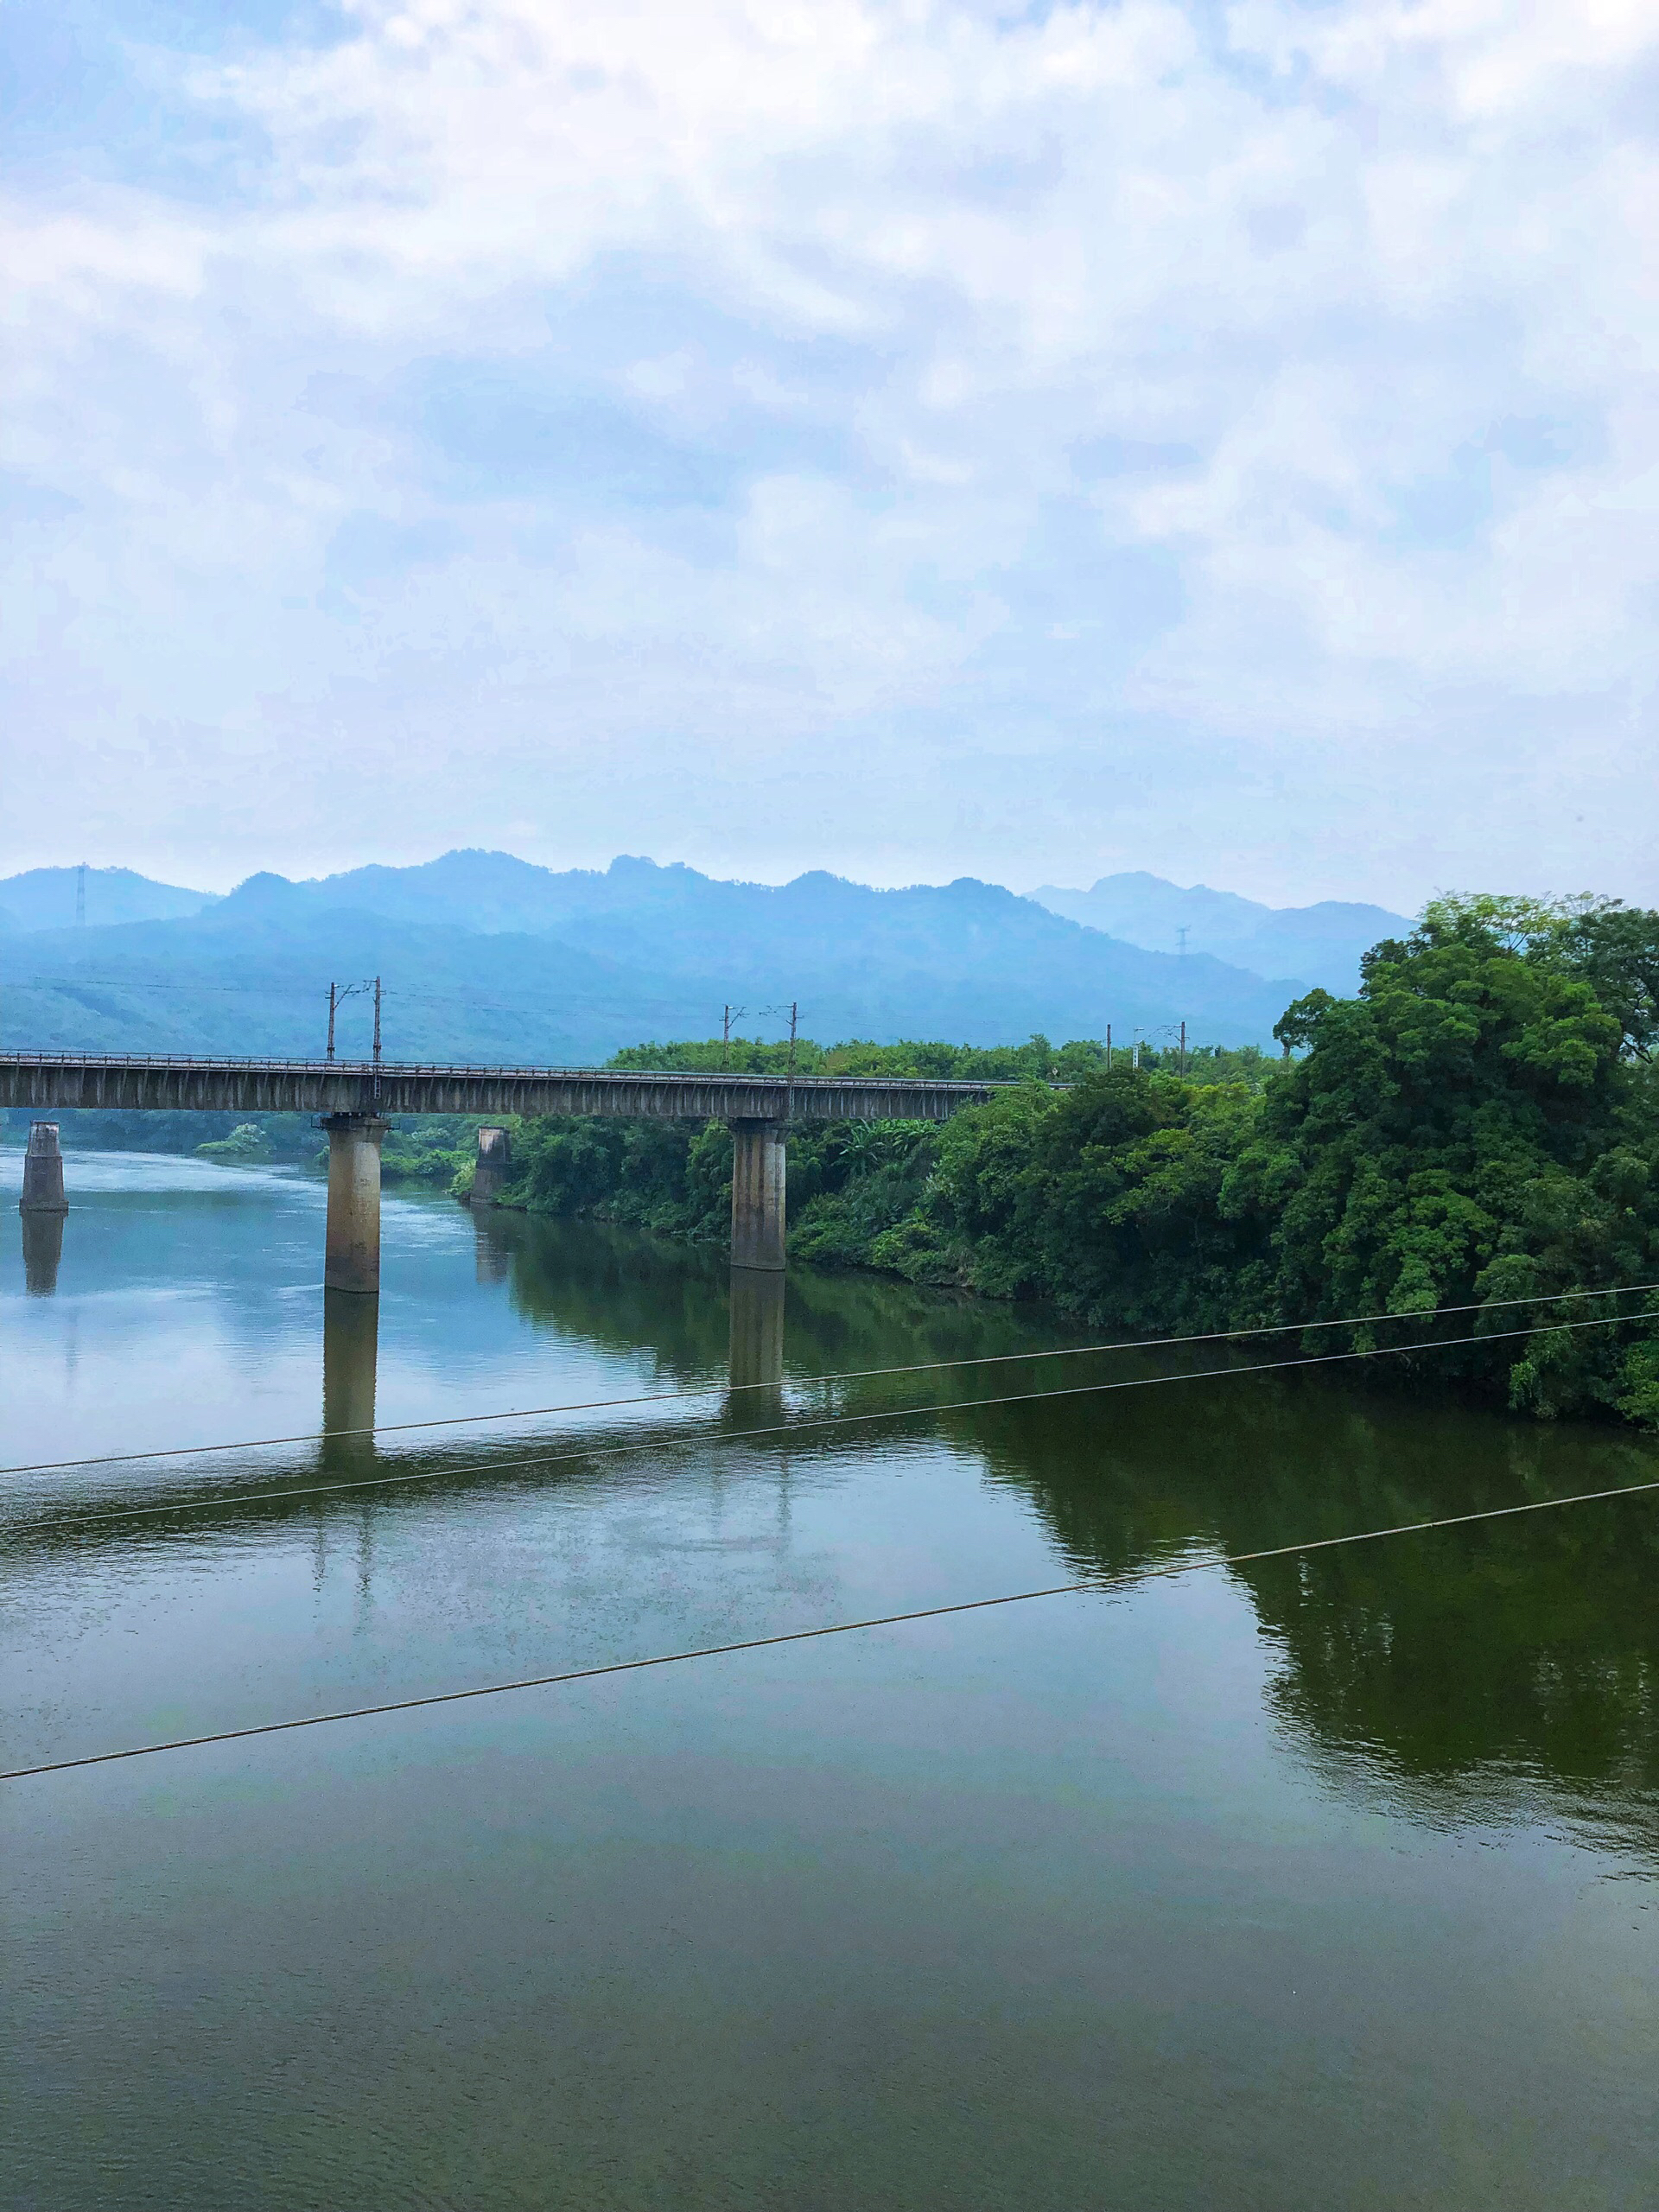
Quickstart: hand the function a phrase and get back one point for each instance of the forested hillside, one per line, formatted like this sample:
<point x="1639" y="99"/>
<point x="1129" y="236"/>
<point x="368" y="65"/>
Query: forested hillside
<point x="485" y="958"/>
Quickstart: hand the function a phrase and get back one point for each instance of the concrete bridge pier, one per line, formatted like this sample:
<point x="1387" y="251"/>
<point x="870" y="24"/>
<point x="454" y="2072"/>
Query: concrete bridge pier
<point x="494" y="1166"/>
<point x="352" y="1255"/>
<point x="758" y="1195"/>
<point x="43" y="1172"/>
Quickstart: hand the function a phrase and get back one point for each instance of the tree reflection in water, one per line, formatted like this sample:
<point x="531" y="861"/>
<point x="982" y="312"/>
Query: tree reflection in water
<point x="1498" y="1670"/>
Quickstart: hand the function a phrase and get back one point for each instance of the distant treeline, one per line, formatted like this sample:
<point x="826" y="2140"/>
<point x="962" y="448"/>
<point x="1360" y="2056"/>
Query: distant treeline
<point x="1480" y="1123"/>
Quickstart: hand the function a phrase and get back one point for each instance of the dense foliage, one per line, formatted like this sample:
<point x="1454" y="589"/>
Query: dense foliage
<point x="1480" y="1125"/>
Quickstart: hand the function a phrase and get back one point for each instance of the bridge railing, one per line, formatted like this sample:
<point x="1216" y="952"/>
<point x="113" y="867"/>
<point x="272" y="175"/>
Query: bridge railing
<point x="619" y="1077"/>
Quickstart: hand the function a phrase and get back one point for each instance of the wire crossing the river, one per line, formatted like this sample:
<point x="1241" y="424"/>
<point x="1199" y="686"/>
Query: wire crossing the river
<point x="811" y="1634"/>
<point x="791" y="1428"/>
<point x="848" y="1375"/>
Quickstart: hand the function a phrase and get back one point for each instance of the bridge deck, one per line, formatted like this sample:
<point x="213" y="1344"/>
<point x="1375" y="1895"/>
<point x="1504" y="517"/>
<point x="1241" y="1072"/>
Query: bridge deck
<point x="45" y="1081"/>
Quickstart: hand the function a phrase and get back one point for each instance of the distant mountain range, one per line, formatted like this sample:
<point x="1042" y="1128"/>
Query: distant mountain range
<point x="485" y="956"/>
<point x="50" y="897"/>
<point x="1320" y="943"/>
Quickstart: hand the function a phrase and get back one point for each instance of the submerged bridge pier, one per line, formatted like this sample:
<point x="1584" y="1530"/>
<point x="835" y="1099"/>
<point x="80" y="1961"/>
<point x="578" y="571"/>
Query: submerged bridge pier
<point x="354" y="1101"/>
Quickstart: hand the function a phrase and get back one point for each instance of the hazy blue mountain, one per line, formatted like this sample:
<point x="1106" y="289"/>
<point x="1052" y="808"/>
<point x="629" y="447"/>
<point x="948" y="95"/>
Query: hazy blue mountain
<point x="486" y="957"/>
<point x="253" y="983"/>
<point x="1321" y="942"/>
<point x="44" y="897"/>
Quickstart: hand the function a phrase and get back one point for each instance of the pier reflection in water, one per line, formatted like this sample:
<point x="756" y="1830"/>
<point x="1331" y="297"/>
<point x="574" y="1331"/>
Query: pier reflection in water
<point x="351" y="1338"/>
<point x="43" y="1251"/>
<point x="755" y="1360"/>
<point x="493" y="1250"/>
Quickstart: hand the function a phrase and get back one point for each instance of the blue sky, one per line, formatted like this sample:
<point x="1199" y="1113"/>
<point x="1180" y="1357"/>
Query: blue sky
<point x="910" y="440"/>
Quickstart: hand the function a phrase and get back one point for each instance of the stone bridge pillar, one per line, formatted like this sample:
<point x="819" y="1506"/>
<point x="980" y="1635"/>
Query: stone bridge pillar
<point x="353" y="1260"/>
<point x="494" y="1166"/>
<point x="758" y="1195"/>
<point x="43" y="1172"/>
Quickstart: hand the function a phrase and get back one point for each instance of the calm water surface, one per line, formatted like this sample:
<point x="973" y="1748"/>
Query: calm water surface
<point x="1321" y="1882"/>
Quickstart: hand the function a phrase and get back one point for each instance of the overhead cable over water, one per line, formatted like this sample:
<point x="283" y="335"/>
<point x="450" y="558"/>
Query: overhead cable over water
<point x="636" y="1445"/>
<point x="864" y="1374"/>
<point x="812" y="1635"/>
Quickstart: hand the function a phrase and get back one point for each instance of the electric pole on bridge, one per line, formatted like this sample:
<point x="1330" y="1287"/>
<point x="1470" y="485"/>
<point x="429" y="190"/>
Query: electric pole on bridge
<point x="794" y="1018"/>
<point x="338" y="995"/>
<point x="733" y="1013"/>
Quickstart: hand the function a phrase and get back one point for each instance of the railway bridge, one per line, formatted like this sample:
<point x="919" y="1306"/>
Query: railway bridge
<point x="353" y="1100"/>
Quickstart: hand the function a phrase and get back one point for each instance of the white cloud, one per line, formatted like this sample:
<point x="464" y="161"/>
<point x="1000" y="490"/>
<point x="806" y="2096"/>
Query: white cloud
<point x="631" y="418"/>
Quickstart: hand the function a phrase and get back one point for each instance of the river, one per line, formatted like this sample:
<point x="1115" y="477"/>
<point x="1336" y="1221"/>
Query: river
<point x="1318" y="1881"/>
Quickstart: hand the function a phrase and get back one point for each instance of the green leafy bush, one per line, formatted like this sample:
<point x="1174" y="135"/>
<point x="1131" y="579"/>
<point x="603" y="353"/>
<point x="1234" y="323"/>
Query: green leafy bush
<point x="247" y="1146"/>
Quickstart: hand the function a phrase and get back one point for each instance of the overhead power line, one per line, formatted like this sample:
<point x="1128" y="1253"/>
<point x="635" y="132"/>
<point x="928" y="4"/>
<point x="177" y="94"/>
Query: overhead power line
<point x="845" y="1375"/>
<point x="786" y="1428"/>
<point x="812" y="1635"/>
<point x="142" y="983"/>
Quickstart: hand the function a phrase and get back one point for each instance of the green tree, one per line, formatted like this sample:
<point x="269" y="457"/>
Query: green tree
<point x="247" y="1146"/>
<point x="1462" y="1131"/>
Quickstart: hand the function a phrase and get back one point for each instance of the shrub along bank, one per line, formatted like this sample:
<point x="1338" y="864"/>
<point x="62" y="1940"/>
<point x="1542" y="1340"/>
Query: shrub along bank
<point x="1480" y="1123"/>
<point x="417" y="1148"/>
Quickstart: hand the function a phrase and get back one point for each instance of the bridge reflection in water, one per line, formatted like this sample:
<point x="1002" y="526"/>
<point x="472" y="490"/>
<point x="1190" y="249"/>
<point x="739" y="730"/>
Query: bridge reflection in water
<point x="755" y="1360"/>
<point x="350" y="1332"/>
<point x="494" y="1252"/>
<point x="42" y="1252"/>
<point x="351" y="1338"/>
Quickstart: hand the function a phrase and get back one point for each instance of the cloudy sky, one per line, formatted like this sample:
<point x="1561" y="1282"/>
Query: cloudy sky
<point x="913" y="440"/>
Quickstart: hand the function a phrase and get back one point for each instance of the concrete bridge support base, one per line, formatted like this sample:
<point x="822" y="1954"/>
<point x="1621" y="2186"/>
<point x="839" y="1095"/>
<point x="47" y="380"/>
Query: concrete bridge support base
<point x="43" y="1172"/>
<point x="353" y="1258"/>
<point x="758" y="1195"/>
<point x="494" y="1166"/>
